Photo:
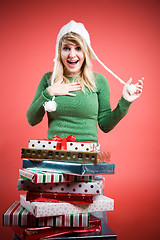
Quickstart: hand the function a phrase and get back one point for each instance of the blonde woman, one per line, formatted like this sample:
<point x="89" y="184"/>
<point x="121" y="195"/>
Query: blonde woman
<point x="74" y="96"/>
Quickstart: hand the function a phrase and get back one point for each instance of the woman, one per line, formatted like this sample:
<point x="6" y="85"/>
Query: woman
<point x="74" y="96"/>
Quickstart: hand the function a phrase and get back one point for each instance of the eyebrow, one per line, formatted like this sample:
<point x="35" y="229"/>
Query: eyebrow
<point x="74" y="44"/>
<point x="65" y="44"/>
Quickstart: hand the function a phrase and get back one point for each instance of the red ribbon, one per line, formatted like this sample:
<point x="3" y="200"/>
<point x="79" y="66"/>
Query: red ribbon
<point x="63" y="141"/>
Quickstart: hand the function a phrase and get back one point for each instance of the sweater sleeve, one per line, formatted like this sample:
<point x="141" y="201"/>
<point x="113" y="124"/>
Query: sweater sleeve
<point x="107" y="118"/>
<point x="36" y="110"/>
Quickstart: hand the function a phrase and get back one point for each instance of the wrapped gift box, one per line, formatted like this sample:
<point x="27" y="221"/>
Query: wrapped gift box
<point x="65" y="156"/>
<point x="59" y="155"/>
<point x="72" y="187"/>
<point x="59" y="197"/>
<point x="40" y="209"/>
<point x="16" y="215"/>
<point x="36" y="176"/>
<point x="49" y="232"/>
<point x="57" y="145"/>
<point x="70" y="168"/>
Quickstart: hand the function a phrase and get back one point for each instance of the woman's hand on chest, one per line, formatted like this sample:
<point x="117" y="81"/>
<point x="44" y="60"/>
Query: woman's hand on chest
<point x="60" y="88"/>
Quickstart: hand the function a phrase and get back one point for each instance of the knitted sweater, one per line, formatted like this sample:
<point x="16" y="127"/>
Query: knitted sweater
<point x="78" y="115"/>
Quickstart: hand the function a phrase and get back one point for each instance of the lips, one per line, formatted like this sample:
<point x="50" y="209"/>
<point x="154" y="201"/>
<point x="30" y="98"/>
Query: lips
<point x="72" y="62"/>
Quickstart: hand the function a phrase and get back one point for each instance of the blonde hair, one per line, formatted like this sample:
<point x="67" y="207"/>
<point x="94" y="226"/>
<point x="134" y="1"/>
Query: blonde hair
<point x="86" y="76"/>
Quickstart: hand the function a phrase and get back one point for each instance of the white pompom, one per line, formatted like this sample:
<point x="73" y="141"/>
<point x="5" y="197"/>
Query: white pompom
<point x="132" y="89"/>
<point x="50" y="106"/>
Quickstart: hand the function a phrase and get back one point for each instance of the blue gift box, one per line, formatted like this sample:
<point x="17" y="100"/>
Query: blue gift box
<point x="71" y="168"/>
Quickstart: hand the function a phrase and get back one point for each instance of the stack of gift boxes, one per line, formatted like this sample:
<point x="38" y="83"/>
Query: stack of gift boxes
<point x="63" y="180"/>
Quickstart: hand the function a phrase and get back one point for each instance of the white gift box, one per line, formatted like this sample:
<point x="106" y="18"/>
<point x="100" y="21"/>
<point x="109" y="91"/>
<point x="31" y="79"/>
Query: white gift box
<point x="53" y="145"/>
<point x="42" y="144"/>
<point x="94" y="188"/>
<point x="41" y="209"/>
<point x="81" y="146"/>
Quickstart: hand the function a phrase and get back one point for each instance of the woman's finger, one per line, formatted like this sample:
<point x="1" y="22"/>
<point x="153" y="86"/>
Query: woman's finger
<point x="139" y="90"/>
<point x="74" y="84"/>
<point x="71" y="94"/>
<point x="129" y="82"/>
<point x="140" y="82"/>
<point x="139" y="86"/>
<point x="74" y="88"/>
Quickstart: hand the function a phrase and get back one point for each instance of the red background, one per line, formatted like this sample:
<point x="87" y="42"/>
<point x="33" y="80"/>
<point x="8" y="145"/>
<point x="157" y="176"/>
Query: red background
<point x="125" y="36"/>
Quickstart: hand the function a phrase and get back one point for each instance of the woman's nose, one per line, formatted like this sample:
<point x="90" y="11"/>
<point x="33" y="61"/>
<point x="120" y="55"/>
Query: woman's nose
<point x="72" y="53"/>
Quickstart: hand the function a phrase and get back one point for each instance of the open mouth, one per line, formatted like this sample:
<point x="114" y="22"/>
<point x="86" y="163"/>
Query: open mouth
<point x="72" y="62"/>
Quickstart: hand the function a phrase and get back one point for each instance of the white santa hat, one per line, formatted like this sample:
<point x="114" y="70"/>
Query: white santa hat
<point x="78" y="28"/>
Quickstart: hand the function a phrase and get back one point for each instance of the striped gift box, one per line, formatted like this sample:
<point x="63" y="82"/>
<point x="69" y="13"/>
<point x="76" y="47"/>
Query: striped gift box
<point x="37" y="176"/>
<point x="16" y="215"/>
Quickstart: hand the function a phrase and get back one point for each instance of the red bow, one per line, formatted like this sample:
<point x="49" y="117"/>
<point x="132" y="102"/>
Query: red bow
<point x="62" y="142"/>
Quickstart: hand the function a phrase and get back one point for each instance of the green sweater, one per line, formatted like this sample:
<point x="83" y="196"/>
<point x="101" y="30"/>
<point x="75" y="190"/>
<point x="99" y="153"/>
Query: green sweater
<point x="78" y="115"/>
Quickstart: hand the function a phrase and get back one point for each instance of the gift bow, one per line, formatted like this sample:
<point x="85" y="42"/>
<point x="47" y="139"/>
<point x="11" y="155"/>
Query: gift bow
<point x="63" y="141"/>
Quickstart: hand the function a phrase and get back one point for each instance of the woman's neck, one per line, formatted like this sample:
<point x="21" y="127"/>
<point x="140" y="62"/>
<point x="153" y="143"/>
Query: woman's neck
<point x="69" y="74"/>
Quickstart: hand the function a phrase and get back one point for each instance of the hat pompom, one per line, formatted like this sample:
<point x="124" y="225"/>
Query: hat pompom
<point x="50" y="106"/>
<point x="132" y="89"/>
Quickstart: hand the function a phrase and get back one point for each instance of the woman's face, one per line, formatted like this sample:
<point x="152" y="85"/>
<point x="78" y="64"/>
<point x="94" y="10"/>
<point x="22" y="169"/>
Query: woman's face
<point x="72" y="57"/>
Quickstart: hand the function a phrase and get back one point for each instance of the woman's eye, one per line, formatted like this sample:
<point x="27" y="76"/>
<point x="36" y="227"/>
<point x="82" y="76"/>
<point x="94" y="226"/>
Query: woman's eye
<point x="78" y="48"/>
<point x="66" y="48"/>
